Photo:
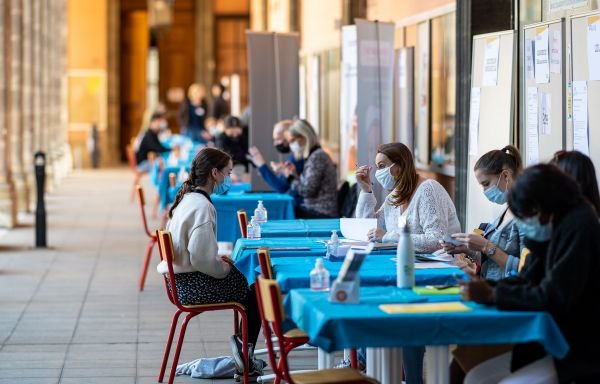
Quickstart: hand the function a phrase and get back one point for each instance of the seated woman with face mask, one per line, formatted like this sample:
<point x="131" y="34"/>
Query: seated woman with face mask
<point x="497" y="251"/>
<point x="423" y="203"/>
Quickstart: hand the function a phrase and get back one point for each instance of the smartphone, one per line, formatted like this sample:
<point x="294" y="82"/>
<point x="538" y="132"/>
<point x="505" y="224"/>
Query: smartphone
<point x="449" y="240"/>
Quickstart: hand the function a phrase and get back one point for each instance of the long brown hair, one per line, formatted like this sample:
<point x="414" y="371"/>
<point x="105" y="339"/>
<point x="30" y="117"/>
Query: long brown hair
<point x="202" y="165"/>
<point x="497" y="160"/>
<point x="407" y="180"/>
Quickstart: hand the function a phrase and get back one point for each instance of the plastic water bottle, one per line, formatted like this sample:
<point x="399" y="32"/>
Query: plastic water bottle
<point x="250" y="229"/>
<point x="333" y="244"/>
<point x="319" y="277"/>
<point x="260" y="213"/>
<point x="405" y="259"/>
<point x="182" y="175"/>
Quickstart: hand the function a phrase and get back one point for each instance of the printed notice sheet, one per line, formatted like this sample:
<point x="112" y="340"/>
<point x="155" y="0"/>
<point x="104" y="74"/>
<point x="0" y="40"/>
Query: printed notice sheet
<point x="555" y="51"/>
<point x="529" y="66"/>
<point x="542" y="61"/>
<point x="474" y="121"/>
<point x="546" y="114"/>
<point x="490" y="62"/>
<point x="580" y="117"/>
<point x="593" y="47"/>
<point x="533" y="143"/>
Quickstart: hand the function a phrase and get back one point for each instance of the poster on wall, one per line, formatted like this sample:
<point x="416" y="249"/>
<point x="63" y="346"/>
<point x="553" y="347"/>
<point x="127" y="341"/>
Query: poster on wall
<point x="348" y="99"/>
<point x="375" y="70"/>
<point x="542" y="60"/>
<point x="593" y="47"/>
<point x="490" y="62"/>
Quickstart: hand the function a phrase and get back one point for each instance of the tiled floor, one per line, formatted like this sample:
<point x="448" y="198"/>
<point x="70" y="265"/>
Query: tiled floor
<point x="72" y="313"/>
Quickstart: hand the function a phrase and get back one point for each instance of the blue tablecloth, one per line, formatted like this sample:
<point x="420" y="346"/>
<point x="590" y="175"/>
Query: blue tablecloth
<point x="334" y="327"/>
<point x="300" y="228"/>
<point x="279" y="206"/>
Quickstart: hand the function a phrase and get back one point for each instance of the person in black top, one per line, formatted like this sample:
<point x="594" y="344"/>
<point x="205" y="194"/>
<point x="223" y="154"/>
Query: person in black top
<point x="234" y="141"/>
<point x="150" y="142"/>
<point x="560" y="276"/>
<point x="218" y="107"/>
<point x="582" y="169"/>
<point x="192" y="114"/>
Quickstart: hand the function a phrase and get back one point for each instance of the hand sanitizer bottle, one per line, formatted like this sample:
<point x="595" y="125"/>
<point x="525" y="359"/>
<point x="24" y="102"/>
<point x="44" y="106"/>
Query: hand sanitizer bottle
<point x="333" y="244"/>
<point x="260" y="213"/>
<point x="319" y="277"/>
<point x="405" y="259"/>
<point x="251" y="233"/>
<point x="256" y="228"/>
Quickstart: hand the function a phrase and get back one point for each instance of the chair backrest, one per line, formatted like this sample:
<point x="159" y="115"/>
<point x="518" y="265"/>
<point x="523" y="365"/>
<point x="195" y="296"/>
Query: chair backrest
<point x="268" y="295"/>
<point x="243" y="220"/>
<point x="165" y="249"/>
<point x="264" y="259"/>
<point x="142" y="201"/>
<point x="130" y="153"/>
<point x="347" y="199"/>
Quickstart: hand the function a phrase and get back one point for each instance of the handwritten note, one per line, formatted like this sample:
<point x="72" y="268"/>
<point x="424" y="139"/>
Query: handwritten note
<point x="474" y="121"/>
<point x="580" y="117"/>
<point x="490" y="62"/>
<point x="542" y="61"/>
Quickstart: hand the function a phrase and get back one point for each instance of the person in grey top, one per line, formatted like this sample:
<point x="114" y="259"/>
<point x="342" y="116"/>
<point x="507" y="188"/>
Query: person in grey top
<point x="317" y="184"/>
<point x="498" y="249"/>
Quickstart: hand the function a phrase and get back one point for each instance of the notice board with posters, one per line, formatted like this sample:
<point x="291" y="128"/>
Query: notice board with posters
<point x="492" y="112"/>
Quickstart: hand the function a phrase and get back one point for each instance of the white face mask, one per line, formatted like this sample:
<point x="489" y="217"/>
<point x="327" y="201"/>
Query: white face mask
<point x="385" y="178"/>
<point x="296" y="148"/>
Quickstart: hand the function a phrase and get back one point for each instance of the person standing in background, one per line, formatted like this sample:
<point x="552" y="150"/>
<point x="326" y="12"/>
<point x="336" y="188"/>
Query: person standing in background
<point x="234" y="141"/>
<point x="192" y="114"/>
<point x="218" y="107"/>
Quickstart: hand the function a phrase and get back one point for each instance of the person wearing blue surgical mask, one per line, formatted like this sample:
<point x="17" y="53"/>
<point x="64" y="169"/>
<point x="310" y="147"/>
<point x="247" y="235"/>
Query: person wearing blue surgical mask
<point x="201" y="274"/>
<point x="559" y="277"/>
<point x="496" y="252"/>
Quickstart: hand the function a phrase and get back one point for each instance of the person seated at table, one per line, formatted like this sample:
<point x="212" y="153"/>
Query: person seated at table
<point x="234" y="141"/>
<point x="192" y="114"/>
<point x="497" y="251"/>
<point x="202" y="275"/>
<point x="273" y="175"/>
<point x="150" y="143"/>
<point x="581" y="168"/>
<point x="559" y="276"/>
<point x="317" y="183"/>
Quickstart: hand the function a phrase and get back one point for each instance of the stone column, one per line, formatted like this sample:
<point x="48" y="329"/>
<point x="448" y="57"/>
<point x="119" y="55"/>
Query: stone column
<point x="26" y="105"/>
<point x="8" y="213"/>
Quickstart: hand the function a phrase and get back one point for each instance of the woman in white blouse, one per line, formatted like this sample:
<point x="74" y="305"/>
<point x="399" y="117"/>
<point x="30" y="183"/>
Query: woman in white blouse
<point x="424" y="204"/>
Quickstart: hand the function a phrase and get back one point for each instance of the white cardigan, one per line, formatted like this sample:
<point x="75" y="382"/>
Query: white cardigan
<point x="430" y="213"/>
<point x="193" y="228"/>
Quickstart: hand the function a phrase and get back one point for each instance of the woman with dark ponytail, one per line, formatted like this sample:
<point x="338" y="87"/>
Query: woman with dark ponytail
<point x="202" y="275"/>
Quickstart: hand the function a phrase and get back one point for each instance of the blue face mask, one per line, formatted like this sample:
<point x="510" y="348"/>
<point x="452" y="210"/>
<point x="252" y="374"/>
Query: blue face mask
<point x="222" y="188"/>
<point x="532" y="229"/>
<point x="385" y="178"/>
<point x="494" y="194"/>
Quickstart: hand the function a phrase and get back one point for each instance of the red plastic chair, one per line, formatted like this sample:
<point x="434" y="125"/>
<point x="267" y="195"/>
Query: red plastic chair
<point x="243" y="220"/>
<point x="151" y="237"/>
<point x="272" y="316"/>
<point x="166" y="254"/>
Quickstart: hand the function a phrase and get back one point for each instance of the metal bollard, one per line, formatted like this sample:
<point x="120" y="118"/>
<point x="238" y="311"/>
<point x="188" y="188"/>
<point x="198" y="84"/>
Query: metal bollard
<point x="40" y="210"/>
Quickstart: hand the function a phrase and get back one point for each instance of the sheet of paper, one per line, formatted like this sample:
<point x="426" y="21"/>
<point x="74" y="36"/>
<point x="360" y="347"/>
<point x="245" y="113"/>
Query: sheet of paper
<point x="443" y="256"/>
<point x="593" y="47"/>
<point x="533" y="143"/>
<point x="474" y="121"/>
<point x="529" y="64"/>
<point x="436" y="290"/>
<point x="580" y="117"/>
<point x="402" y="79"/>
<point x="555" y="51"/>
<point x="546" y="114"/>
<point x="356" y="229"/>
<point x="490" y="62"/>
<point x="435" y="265"/>
<point x="450" y="306"/>
<point x="542" y="60"/>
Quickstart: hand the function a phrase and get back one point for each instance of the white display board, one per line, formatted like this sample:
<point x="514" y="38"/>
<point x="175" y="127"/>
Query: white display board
<point x="492" y="113"/>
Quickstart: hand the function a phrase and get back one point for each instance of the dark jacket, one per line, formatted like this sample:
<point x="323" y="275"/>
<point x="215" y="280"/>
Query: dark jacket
<point x="219" y="108"/>
<point x="561" y="277"/>
<point x="317" y="184"/>
<point x="191" y="116"/>
<point x="149" y="143"/>
<point x="237" y="147"/>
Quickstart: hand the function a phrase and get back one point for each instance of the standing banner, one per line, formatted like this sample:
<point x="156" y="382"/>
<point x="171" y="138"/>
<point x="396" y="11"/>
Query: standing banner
<point x="375" y="81"/>
<point x="273" y="64"/>
<point x="348" y="100"/>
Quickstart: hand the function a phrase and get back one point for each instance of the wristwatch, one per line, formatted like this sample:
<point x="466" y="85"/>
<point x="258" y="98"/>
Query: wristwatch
<point x="489" y="252"/>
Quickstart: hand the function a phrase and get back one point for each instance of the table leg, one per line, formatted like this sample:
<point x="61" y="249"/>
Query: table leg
<point x="437" y="364"/>
<point x="324" y="359"/>
<point x="374" y="363"/>
<point x="391" y="365"/>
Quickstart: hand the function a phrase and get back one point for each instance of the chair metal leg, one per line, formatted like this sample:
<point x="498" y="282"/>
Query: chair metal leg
<point x="179" y="345"/>
<point x="161" y="375"/>
<point x="155" y="205"/>
<point x="149" y="249"/>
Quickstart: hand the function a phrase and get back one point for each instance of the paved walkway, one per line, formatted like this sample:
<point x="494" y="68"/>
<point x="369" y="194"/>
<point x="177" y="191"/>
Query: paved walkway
<point x="72" y="313"/>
